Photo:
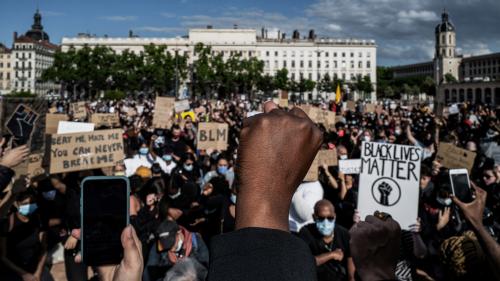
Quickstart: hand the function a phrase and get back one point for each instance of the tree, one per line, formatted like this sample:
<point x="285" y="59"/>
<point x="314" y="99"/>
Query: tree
<point x="281" y="80"/>
<point x="203" y="72"/>
<point x="428" y="86"/>
<point x="267" y="84"/>
<point x="449" y="78"/>
<point x="326" y="84"/>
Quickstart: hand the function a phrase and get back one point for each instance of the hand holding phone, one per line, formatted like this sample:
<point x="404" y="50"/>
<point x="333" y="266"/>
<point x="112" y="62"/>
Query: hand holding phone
<point x="460" y="185"/>
<point x="104" y="215"/>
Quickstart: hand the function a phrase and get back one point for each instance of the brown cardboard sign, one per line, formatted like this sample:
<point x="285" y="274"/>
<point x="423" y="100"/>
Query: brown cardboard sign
<point x="32" y="166"/>
<point x="327" y="157"/>
<point x="212" y="136"/>
<point x="111" y="120"/>
<point x="313" y="172"/>
<point x="351" y="106"/>
<point x="453" y="157"/>
<point x="164" y="112"/>
<point x="370" y="108"/>
<point x="52" y="122"/>
<point x="79" y="110"/>
<point x="317" y="115"/>
<point x="85" y="151"/>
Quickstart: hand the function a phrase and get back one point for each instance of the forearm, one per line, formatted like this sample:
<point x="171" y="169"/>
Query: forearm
<point x="343" y="190"/>
<point x="490" y="247"/>
<point x="323" y="258"/>
<point x="419" y="248"/>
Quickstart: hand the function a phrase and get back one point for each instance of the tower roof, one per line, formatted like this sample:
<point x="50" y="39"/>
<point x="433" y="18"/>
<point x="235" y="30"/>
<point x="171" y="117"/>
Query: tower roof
<point x="36" y="32"/>
<point x="445" y="25"/>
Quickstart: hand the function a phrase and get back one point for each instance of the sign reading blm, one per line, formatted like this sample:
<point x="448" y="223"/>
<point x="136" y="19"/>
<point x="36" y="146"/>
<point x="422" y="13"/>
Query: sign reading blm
<point x="85" y="151"/>
<point x="389" y="181"/>
<point x="212" y="136"/>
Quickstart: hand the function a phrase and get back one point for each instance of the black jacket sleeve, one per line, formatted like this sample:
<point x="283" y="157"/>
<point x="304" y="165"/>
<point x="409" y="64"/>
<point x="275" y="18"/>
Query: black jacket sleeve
<point x="6" y="175"/>
<point x="260" y="254"/>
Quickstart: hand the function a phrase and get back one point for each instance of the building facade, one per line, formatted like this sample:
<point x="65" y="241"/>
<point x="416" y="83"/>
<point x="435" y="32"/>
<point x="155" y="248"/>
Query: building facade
<point x="31" y="54"/>
<point x="476" y="78"/>
<point x="5" y="69"/>
<point x="308" y="58"/>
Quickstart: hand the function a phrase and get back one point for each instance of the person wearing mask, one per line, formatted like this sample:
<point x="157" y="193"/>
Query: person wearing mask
<point x="173" y="244"/>
<point x="222" y="178"/>
<point x="329" y="243"/>
<point x="188" y="170"/>
<point x="23" y="248"/>
<point x="168" y="164"/>
<point x="176" y="144"/>
<point x="143" y="158"/>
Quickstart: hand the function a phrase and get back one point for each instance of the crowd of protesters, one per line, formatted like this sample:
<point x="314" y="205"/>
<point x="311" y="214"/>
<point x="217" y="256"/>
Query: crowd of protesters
<point x="182" y="197"/>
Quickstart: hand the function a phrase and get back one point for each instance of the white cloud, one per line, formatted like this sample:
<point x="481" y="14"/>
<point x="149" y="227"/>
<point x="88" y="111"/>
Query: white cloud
<point x="119" y="18"/>
<point x="334" y="27"/>
<point x="168" y="15"/>
<point x="411" y="16"/>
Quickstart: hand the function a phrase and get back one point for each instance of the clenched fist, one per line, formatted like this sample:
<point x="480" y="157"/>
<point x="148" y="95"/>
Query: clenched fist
<point x="275" y="153"/>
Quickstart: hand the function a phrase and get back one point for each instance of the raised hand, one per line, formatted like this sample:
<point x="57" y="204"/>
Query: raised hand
<point x="13" y="157"/>
<point x="276" y="151"/>
<point x="385" y="190"/>
<point x="443" y="218"/>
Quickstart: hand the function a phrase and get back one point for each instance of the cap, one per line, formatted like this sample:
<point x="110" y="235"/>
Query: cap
<point x="166" y="234"/>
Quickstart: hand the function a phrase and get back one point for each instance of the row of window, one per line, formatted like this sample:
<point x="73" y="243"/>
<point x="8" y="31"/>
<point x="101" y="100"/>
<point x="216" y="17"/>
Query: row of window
<point x="319" y="64"/>
<point x="483" y="71"/>
<point x="299" y="76"/>
<point x="2" y="65"/>
<point x="479" y="96"/>
<point x="7" y="75"/>
<point x="483" y="63"/>
<point x="326" y="54"/>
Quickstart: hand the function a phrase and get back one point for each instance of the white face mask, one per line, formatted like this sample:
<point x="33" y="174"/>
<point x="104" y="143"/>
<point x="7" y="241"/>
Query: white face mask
<point x="343" y="157"/>
<point x="367" y="138"/>
<point x="179" y="246"/>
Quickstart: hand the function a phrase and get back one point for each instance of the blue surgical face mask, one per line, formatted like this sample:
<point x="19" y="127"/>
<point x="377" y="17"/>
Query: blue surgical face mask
<point x="233" y="198"/>
<point x="167" y="157"/>
<point x="444" y="201"/>
<point x="27" y="209"/>
<point x="143" y="151"/>
<point x="325" y="227"/>
<point x="49" y="195"/>
<point x="222" y="170"/>
<point x="188" y="167"/>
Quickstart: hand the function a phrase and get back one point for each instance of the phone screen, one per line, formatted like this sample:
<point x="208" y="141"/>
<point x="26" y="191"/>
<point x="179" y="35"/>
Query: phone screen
<point x="104" y="216"/>
<point x="460" y="183"/>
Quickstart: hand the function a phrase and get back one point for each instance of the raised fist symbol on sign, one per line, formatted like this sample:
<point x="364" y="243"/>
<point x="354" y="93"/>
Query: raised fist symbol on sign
<point x="385" y="190"/>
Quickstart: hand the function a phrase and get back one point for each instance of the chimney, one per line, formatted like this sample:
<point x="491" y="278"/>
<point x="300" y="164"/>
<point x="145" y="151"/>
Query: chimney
<point x="296" y="34"/>
<point x="130" y="34"/>
<point x="279" y="34"/>
<point x="283" y="36"/>
<point x="262" y="32"/>
<point x="266" y="33"/>
<point x="235" y="26"/>
<point x="312" y="36"/>
<point x="209" y="27"/>
<point x="15" y="36"/>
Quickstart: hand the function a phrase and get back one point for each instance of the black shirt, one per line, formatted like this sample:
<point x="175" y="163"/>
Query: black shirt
<point x="260" y="254"/>
<point x="331" y="270"/>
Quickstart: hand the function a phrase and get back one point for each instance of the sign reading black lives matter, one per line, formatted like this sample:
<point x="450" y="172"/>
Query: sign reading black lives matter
<point x="389" y="181"/>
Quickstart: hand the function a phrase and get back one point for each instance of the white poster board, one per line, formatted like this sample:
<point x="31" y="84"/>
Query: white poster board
<point x="67" y="127"/>
<point x="389" y="181"/>
<point x="181" y="106"/>
<point x="350" y="166"/>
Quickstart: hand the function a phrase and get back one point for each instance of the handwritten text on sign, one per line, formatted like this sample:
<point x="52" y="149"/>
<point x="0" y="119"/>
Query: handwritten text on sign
<point x="111" y="120"/>
<point x="164" y="111"/>
<point x="389" y="181"/>
<point x="84" y="151"/>
<point x="213" y="136"/>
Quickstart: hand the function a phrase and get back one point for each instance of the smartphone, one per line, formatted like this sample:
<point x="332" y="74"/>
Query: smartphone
<point x="460" y="186"/>
<point x="104" y="204"/>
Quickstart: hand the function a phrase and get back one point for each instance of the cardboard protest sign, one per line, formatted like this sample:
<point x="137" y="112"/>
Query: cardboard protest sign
<point x="327" y="157"/>
<point x="283" y="99"/>
<point x="79" y="110"/>
<point x="351" y="106"/>
<point x="52" y="110"/>
<point x="111" y="120"/>
<point x="21" y="124"/>
<point x="164" y="112"/>
<point x="453" y="157"/>
<point x="370" y="108"/>
<point x="84" y="151"/>
<point x="52" y="122"/>
<point x="32" y="166"/>
<point x="389" y="181"/>
<point x="317" y="115"/>
<point x="313" y="172"/>
<point x="350" y="166"/>
<point x="181" y="106"/>
<point x="66" y="127"/>
<point x="212" y="136"/>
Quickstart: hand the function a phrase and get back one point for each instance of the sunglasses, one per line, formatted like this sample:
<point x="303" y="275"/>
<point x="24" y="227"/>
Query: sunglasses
<point x="318" y="218"/>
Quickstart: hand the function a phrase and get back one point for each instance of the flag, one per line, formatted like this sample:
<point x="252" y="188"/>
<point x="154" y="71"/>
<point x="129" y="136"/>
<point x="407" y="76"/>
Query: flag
<point x="338" y="95"/>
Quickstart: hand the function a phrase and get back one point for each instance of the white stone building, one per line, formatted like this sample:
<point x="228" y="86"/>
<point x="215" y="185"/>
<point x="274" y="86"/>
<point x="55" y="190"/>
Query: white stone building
<point x="309" y="58"/>
<point x="32" y="53"/>
<point x="5" y="69"/>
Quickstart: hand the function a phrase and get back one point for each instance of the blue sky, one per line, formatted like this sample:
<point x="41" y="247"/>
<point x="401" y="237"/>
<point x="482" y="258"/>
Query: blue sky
<point x="403" y="29"/>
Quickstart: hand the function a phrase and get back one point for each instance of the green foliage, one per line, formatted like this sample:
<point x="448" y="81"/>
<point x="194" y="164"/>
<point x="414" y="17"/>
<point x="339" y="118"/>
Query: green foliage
<point x="281" y="80"/>
<point x="388" y="86"/>
<point x="114" y="95"/>
<point x="21" y="94"/>
<point x="449" y="78"/>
